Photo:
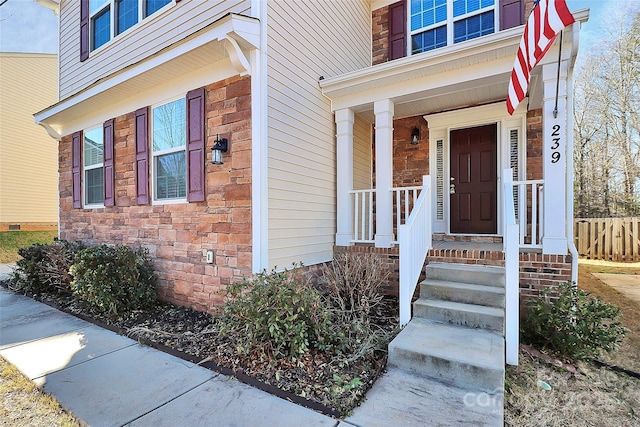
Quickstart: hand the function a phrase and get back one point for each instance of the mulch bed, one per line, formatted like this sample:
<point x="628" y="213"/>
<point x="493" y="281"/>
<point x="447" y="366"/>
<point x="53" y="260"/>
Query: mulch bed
<point x="331" y="384"/>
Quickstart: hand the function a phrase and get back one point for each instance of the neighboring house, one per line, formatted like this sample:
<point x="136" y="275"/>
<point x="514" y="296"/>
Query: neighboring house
<point x="28" y="159"/>
<point x="328" y="107"/>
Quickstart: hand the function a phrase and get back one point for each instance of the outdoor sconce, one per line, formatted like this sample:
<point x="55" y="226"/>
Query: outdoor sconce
<point x="219" y="147"/>
<point x="415" y="136"/>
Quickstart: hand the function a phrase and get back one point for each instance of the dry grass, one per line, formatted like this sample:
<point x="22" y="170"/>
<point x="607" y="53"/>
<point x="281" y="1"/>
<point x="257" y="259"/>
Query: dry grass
<point x="592" y="396"/>
<point x="11" y="241"/>
<point x="22" y="403"/>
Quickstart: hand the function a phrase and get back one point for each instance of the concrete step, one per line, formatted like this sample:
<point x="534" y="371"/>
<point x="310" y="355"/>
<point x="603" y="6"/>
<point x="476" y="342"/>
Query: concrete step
<point x="490" y="296"/>
<point x="470" y="358"/>
<point x="466" y="273"/>
<point x="457" y="313"/>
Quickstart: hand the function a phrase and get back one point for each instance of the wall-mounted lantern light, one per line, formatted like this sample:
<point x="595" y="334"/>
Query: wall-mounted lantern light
<point x="415" y="136"/>
<point x="219" y="147"/>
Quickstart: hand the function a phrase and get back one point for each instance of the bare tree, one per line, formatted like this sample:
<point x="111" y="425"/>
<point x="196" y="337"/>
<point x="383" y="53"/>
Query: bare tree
<point x="607" y="125"/>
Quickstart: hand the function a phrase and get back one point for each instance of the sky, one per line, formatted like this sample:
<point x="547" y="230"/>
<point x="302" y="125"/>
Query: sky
<point x="28" y="27"/>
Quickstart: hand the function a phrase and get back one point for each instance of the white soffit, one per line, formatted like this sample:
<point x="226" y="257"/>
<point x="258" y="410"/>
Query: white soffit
<point x="197" y="51"/>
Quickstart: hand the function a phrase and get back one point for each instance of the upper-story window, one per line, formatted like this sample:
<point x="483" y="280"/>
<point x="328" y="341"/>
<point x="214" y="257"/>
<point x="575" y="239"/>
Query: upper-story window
<point x="438" y="23"/>
<point x="169" y="150"/>
<point x="108" y="18"/>
<point x="93" y="155"/>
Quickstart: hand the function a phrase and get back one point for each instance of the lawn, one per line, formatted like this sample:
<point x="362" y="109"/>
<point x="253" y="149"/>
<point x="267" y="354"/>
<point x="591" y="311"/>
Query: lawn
<point x="11" y="241"/>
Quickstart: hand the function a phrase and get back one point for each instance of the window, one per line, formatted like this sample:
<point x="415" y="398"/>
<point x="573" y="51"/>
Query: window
<point x="100" y="22"/>
<point x="93" y="155"/>
<point x="126" y="15"/>
<point x="154" y="5"/>
<point x="169" y="150"/>
<point x="438" y="23"/>
<point x="108" y="18"/>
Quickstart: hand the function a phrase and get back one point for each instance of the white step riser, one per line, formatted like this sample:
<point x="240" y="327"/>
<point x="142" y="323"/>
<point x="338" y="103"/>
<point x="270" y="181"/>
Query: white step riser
<point x="480" y="275"/>
<point x="459" y="374"/>
<point x="468" y="296"/>
<point x="459" y="317"/>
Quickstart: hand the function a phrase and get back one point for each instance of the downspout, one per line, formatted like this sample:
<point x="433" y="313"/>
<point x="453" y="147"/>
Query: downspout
<point x="569" y="176"/>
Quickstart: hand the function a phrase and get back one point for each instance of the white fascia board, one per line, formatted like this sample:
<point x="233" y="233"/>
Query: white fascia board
<point x="217" y="32"/>
<point x="426" y="85"/>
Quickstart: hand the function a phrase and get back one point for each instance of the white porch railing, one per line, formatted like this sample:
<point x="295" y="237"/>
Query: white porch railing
<point x="363" y="225"/>
<point x="527" y="203"/>
<point x="405" y="199"/>
<point x="511" y="244"/>
<point x="414" y="237"/>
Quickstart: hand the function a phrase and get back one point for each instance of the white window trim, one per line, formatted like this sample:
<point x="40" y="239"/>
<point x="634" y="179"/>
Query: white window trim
<point x="111" y="4"/>
<point x="83" y="178"/>
<point x="154" y="154"/>
<point x="449" y="22"/>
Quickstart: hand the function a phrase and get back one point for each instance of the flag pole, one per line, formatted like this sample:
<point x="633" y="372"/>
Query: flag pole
<point x="555" y="110"/>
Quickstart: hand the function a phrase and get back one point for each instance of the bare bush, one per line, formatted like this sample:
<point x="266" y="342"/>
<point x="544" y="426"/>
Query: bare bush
<point x="353" y="283"/>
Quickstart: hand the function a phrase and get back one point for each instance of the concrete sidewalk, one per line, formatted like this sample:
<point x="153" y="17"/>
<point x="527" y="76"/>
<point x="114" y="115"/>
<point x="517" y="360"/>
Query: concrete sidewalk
<point x="110" y="380"/>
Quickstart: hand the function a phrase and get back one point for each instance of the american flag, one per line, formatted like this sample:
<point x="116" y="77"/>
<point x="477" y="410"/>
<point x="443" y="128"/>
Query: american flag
<point x="546" y="20"/>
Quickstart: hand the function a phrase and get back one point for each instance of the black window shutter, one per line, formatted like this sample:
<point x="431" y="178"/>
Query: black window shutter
<point x="142" y="156"/>
<point x="84" y="30"/>
<point x="108" y="166"/>
<point x="196" y="138"/>
<point x="511" y="13"/>
<point x="397" y="30"/>
<point x="76" y="169"/>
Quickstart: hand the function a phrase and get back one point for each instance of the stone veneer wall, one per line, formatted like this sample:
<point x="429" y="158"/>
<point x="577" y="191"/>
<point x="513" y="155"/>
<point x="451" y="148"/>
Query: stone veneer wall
<point x="380" y="35"/>
<point x="178" y="235"/>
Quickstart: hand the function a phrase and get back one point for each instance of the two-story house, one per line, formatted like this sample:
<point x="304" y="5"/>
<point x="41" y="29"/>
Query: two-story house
<point x="233" y="136"/>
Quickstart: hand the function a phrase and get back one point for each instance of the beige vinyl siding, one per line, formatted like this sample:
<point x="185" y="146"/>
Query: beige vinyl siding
<point x="28" y="155"/>
<point x="306" y="40"/>
<point x="362" y="154"/>
<point x="149" y="36"/>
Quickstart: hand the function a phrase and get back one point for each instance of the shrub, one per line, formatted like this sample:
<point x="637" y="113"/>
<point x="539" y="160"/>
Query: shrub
<point x="114" y="279"/>
<point x="353" y="290"/>
<point x="45" y="267"/>
<point x="277" y="313"/>
<point x="353" y="283"/>
<point x="572" y="323"/>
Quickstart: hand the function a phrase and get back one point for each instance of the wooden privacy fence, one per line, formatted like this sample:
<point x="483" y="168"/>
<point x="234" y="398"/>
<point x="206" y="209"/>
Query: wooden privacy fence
<point x="612" y="239"/>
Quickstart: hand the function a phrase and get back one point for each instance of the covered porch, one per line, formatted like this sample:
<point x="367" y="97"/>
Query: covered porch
<point x="428" y="109"/>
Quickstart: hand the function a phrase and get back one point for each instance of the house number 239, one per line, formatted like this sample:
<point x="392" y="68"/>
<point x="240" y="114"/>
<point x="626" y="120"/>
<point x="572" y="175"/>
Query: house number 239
<point x="555" y="135"/>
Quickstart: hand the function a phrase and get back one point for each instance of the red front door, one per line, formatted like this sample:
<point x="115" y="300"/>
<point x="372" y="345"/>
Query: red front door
<point x="474" y="180"/>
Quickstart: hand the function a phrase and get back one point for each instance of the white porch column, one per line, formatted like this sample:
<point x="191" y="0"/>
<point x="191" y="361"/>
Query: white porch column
<point x="384" y="110"/>
<point x="344" y="176"/>
<point x="554" y="169"/>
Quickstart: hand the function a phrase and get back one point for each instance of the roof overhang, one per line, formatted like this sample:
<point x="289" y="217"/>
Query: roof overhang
<point x="54" y="5"/>
<point x="227" y="38"/>
<point x="466" y="74"/>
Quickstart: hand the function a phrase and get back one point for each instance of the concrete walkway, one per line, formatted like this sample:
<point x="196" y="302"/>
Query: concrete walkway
<point x="109" y="380"/>
<point x="626" y="284"/>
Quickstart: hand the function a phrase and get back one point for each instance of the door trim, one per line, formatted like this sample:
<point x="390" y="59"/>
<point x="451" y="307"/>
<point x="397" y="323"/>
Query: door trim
<point x="440" y="127"/>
